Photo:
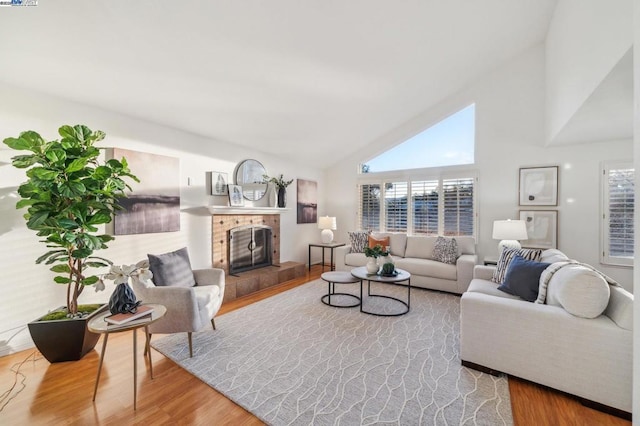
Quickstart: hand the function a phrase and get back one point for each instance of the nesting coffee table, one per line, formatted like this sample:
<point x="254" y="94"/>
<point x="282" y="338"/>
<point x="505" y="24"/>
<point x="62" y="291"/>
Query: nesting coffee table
<point x="339" y="277"/>
<point x="402" y="275"/>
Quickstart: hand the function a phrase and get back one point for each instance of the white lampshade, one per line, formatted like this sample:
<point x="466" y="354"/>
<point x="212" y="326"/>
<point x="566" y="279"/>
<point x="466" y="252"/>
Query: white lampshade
<point x="509" y="231"/>
<point x="327" y="224"/>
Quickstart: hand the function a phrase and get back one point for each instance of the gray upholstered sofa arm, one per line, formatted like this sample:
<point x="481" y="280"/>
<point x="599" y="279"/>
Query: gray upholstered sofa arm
<point x="464" y="266"/>
<point x="483" y="272"/>
<point x="340" y="253"/>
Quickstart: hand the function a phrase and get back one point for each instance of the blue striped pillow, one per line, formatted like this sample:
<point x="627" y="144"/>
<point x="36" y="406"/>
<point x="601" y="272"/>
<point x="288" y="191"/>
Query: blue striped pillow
<point x="507" y="256"/>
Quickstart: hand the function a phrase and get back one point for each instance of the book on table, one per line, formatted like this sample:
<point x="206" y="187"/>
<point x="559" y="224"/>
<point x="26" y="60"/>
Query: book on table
<point x="122" y="319"/>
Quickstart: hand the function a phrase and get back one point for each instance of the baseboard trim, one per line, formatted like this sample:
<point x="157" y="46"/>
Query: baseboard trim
<point x="586" y="402"/>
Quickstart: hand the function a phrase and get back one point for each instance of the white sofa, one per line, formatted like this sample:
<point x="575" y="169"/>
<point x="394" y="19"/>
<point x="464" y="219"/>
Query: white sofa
<point x="587" y="357"/>
<point x="415" y="255"/>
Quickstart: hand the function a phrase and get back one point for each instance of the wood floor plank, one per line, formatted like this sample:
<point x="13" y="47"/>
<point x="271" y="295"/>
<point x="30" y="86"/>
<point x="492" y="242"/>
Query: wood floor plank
<point x="60" y="394"/>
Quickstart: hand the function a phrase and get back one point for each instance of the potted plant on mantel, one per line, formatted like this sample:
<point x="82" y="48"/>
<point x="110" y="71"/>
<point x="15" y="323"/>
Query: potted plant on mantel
<point x="68" y="194"/>
<point x="281" y="184"/>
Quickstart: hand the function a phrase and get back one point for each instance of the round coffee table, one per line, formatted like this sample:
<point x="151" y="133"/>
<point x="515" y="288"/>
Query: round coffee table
<point x="402" y="275"/>
<point x="339" y="277"/>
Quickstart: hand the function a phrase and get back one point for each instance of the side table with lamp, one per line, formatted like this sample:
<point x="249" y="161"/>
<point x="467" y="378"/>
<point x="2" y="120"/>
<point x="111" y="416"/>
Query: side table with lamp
<point x="509" y="232"/>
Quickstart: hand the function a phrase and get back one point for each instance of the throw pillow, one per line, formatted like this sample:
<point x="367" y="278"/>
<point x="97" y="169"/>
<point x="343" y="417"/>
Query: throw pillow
<point x="523" y="278"/>
<point x="446" y="250"/>
<point x="358" y="241"/>
<point x="384" y="242"/>
<point x="581" y="291"/>
<point x="507" y="256"/>
<point x="172" y="269"/>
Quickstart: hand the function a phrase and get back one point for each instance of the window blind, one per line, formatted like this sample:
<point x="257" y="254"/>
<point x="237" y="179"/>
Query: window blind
<point x="458" y="206"/>
<point x="424" y="199"/>
<point x="395" y="205"/>
<point x="621" y="198"/>
<point x="369" y="208"/>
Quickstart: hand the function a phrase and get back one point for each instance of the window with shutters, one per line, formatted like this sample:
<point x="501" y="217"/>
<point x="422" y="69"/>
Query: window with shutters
<point x="618" y="210"/>
<point x="438" y="206"/>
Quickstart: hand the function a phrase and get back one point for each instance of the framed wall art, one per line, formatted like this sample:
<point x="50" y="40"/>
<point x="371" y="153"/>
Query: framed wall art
<point x="542" y="228"/>
<point x="539" y="186"/>
<point x="307" y="201"/>
<point x="235" y="196"/>
<point x="216" y="183"/>
<point x="154" y="203"/>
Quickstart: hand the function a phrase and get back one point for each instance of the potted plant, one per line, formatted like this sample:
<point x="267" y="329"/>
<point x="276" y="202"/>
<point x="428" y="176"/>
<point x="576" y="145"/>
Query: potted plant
<point x="68" y="194"/>
<point x="281" y="184"/>
<point x="373" y="253"/>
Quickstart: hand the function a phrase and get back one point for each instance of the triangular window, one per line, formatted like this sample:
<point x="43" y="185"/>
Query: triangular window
<point x="449" y="142"/>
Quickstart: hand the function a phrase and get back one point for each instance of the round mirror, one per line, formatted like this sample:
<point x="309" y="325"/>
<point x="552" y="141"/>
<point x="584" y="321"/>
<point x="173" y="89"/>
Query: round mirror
<point x="249" y="176"/>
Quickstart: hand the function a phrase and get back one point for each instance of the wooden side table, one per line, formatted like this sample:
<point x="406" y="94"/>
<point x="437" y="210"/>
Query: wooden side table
<point x="330" y="246"/>
<point x="99" y="325"/>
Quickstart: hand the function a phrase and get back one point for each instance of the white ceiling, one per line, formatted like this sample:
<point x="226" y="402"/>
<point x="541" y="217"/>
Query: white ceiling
<point x="307" y="80"/>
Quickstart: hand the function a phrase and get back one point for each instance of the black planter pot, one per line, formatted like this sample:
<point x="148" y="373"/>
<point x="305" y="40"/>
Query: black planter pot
<point x="64" y="340"/>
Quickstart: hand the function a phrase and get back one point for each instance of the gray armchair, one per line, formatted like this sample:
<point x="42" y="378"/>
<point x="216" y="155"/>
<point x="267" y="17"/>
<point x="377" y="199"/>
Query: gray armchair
<point x="189" y="309"/>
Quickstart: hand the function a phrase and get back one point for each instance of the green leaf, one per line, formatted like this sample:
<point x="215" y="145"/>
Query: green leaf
<point x="42" y="173"/>
<point x="106" y="238"/>
<point x="81" y="253"/>
<point x="49" y="253"/>
<point x="67" y="132"/>
<point x="68" y="223"/>
<point x="61" y="280"/>
<point x="56" y="155"/>
<point x="60" y="269"/>
<point x="96" y="264"/>
<point x="17" y="144"/>
<point x="75" y="165"/>
<point x="102" y="173"/>
<point x="100" y="217"/>
<point x="90" y="280"/>
<point x="24" y="203"/>
<point x="83" y="133"/>
<point x="36" y="219"/>
<point x="24" y="161"/>
<point x="71" y="189"/>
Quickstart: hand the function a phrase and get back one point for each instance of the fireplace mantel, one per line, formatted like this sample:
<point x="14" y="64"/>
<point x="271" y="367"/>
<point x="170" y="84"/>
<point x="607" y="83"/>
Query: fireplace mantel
<point x="220" y="210"/>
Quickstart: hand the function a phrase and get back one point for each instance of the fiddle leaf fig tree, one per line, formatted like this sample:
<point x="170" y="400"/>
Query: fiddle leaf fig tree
<point x="69" y="192"/>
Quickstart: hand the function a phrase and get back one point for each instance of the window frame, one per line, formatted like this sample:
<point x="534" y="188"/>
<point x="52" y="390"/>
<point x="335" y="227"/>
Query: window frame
<point x="418" y="175"/>
<point x="605" y="257"/>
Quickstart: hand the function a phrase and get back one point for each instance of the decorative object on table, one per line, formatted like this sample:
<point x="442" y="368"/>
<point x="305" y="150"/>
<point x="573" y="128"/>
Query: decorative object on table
<point x="128" y="317"/>
<point x="154" y="203"/>
<point x="248" y="175"/>
<point x="388" y="270"/>
<point x="235" y="196"/>
<point x="66" y="220"/>
<point x="542" y="228"/>
<point x="281" y="186"/>
<point x="328" y="225"/>
<point x="216" y="183"/>
<point x="307" y="202"/>
<point x="123" y="299"/>
<point x="373" y="253"/>
<point x="539" y="186"/>
<point x="509" y="231"/>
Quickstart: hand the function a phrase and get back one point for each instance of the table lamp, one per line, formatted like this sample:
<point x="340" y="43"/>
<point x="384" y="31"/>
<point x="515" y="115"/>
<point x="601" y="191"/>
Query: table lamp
<point x="328" y="225"/>
<point x="509" y="232"/>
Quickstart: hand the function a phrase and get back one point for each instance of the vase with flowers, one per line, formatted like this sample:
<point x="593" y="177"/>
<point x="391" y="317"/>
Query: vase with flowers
<point x="123" y="300"/>
<point x="281" y="185"/>
<point x="373" y="253"/>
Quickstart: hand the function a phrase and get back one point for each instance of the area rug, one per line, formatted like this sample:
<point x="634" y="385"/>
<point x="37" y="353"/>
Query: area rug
<point x="291" y="360"/>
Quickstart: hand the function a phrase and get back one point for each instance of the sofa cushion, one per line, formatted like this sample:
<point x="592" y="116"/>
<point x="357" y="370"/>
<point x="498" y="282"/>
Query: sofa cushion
<point x="523" y="278"/>
<point x="355" y="259"/>
<point x="358" y="240"/>
<point x="398" y="241"/>
<point x="445" y="250"/>
<point x="466" y="244"/>
<point x="488" y="287"/>
<point x="505" y="259"/>
<point x="383" y="242"/>
<point x="420" y="247"/>
<point x="172" y="269"/>
<point x="428" y="268"/>
<point x="579" y="290"/>
<point x="552" y="256"/>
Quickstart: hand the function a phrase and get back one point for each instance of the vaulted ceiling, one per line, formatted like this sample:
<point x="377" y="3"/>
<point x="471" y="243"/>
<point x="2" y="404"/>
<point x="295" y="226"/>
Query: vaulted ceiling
<point x="307" y="80"/>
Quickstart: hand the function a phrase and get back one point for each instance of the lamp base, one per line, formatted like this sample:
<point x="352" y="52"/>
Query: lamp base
<point x="515" y="244"/>
<point x="326" y="235"/>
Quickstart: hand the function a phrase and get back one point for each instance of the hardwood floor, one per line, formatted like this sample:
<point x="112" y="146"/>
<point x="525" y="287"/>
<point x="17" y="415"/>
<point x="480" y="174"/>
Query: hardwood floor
<point x="60" y="394"/>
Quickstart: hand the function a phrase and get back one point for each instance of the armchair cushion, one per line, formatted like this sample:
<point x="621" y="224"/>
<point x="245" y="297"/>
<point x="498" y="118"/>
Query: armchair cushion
<point x="172" y="269"/>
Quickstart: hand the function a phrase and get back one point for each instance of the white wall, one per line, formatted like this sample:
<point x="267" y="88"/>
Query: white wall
<point x="26" y="289"/>
<point x="584" y="42"/>
<point x="509" y="135"/>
